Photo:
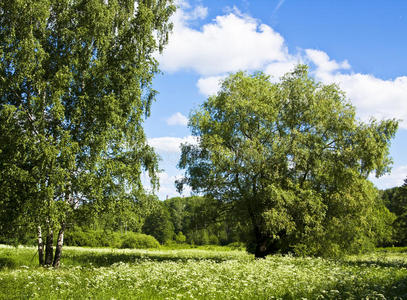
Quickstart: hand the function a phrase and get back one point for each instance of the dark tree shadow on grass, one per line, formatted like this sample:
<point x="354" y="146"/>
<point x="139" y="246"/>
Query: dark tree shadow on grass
<point x="108" y="259"/>
<point x="7" y="262"/>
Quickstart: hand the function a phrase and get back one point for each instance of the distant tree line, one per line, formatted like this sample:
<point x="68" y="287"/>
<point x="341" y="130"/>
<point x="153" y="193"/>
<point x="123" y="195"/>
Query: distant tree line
<point x="200" y="220"/>
<point x="395" y="200"/>
<point x="191" y="220"/>
<point x="194" y="220"/>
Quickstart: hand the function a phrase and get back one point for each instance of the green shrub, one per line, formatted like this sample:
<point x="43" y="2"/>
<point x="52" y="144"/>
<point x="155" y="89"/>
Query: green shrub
<point x="78" y="237"/>
<point x="101" y="238"/>
<point x="113" y="239"/>
<point x="236" y="246"/>
<point x="213" y="239"/>
<point x="139" y="241"/>
<point x="180" y="238"/>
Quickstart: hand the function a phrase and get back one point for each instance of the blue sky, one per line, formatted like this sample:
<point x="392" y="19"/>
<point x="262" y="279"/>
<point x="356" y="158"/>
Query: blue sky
<point x="360" y="45"/>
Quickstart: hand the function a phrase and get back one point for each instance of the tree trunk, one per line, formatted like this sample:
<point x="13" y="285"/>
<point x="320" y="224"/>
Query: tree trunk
<point x="40" y="247"/>
<point x="58" y="250"/>
<point x="260" y="240"/>
<point x="49" y="249"/>
<point x="261" y="248"/>
<point x="265" y="245"/>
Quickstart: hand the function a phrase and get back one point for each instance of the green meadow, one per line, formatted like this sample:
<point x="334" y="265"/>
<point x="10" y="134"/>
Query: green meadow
<point x="105" y="273"/>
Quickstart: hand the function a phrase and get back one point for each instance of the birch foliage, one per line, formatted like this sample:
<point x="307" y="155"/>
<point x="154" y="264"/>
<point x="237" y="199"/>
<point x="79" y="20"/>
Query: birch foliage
<point x="75" y="86"/>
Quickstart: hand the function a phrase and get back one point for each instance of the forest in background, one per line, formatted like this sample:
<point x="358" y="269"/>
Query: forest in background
<point x="183" y="222"/>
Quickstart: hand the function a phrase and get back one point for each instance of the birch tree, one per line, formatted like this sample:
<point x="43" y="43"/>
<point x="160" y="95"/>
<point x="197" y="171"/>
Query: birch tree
<point x="75" y="84"/>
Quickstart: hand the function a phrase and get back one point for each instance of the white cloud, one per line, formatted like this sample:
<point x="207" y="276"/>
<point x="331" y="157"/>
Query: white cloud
<point x="199" y="12"/>
<point x="186" y="12"/>
<point x="177" y="119"/>
<point x="278" y="69"/>
<point x="395" y="178"/>
<point x="167" y="185"/>
<point x="170" y="144"/>
<point x="229" y="43"/>
<point x="372" y="96"/>
<point x="236" y="41"/>
<point x="210" y="85"/>
<point x="322" y="61"/>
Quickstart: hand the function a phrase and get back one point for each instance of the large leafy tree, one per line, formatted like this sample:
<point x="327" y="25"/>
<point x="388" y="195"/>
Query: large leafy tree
<point x="292" y="159"/>
<point x="75" y="86"/>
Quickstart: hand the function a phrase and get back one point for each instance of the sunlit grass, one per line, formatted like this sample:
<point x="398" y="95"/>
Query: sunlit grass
<point x="200" y="274"/>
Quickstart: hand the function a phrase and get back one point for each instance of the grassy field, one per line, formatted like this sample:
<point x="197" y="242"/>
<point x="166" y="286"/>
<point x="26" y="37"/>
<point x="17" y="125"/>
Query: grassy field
<point x="200" y="274"/>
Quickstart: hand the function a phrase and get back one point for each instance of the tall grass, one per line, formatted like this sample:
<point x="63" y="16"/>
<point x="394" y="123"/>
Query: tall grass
<point x="200" y="274"/>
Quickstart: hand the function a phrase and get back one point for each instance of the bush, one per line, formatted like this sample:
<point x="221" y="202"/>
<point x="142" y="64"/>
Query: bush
<point x="236" y="246"/>
<point x="213" y="239"/>
<point x="180" y="238"/>
<point x="139" y="241"/>
<point x="100" y="238"/>
<point x="90" y="238"/>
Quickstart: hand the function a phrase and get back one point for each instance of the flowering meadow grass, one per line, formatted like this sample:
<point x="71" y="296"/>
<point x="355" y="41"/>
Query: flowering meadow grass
<point x="199" y="274"/>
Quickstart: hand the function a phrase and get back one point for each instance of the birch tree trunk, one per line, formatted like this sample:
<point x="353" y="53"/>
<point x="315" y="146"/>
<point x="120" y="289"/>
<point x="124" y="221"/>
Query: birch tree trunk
<point x="49" y="249"/>
<point x="58" y="250"/>
<point x="40" y="246"/>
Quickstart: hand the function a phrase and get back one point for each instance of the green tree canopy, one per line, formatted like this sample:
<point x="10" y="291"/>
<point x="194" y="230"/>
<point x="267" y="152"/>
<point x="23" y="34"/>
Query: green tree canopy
<point x="291" y="158"/>
<point x="75" y="84"/>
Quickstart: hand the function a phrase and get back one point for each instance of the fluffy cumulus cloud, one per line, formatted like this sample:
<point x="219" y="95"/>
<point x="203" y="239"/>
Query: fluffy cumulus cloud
<point x="168" y="144"/>
<point x="324" y="63"/>
<point x="209" y="85"/>
<point x="167" y="186"/>
<point x="229" y="43"/>
<point x="372" y="96"/>
<point x="167" y="183"/>
<point x="177" y="119"/>
<point x="168" y="148"/>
